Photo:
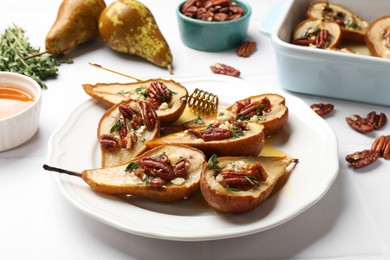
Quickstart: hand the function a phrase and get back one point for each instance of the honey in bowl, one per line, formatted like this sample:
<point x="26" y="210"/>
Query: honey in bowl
<point x="13" y="100"/>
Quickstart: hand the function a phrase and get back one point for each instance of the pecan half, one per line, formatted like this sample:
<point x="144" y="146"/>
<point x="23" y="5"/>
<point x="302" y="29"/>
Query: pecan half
<point x="132" y="114"/>
<point x="246" y="49"/>
<point x="157" y="168"/>
<point x="362" y="125"/>
<point x="322" y="39"/>
<point x="244" y="179"/>
<point x="157" y="94"/>
<point x="362" y="158"/>
<point x="211" y="134"/>
<point x="382" y="146"/>
<point x="109" y="142"/>
<point x="378" y="120"/>
<point x="223" y="69"/>
<point x="322" y="109"/>
<point x="256" y="108"/>
<point x="148" y="115"/>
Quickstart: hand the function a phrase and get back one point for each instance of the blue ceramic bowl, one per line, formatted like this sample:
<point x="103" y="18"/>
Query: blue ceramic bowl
<point x="213" y="36"/>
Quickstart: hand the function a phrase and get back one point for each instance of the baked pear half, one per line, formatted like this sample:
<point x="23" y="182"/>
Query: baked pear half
<point x="167" y="97"/>
<point x="267" y="109"/>
<point x="165" y="173"/>
<point x="230" y="137"/>
<point x="240" y="184"/>
<point x="378" y="37"/>
<point x="353" y="27"/>
<point x="316" y="33"/>
<point x="123" y="130"/>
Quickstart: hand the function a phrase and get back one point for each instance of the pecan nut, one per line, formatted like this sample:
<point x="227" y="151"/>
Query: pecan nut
<point x="243" y="179"/>
<point x="246" y="110"/>
<point x="246" y="49"/>
<point x="322" y="109"/>
<point x="211" y="134"/>
<point x="212" y="10"/>
<point x="224" y="69"/>
<point x="360" y="124"/>
<point x="132" y="114"/>
<point x="109" y="142"/>
<point x="378" y="120"/>
<point x="382" y="146"/>
<point x="362" y="158"/>
<point x="157" y="94"/>
<point x="157" y="168"/>
<point x="148" y="115"/>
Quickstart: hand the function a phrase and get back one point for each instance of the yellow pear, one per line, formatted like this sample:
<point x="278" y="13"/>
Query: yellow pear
<point x="76" y="23"/>
<point x="128" y="26"/>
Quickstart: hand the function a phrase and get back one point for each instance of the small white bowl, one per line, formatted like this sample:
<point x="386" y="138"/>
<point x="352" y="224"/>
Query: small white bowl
<point x="20" y="127"/>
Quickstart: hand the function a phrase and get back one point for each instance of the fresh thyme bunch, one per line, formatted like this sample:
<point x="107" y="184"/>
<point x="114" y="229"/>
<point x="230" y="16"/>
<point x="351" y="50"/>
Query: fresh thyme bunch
<point x="17" y="55"/>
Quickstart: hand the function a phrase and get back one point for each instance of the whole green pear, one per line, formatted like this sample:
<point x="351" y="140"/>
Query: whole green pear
<point x="76" y="23"/>
<point x="128" y="26"/>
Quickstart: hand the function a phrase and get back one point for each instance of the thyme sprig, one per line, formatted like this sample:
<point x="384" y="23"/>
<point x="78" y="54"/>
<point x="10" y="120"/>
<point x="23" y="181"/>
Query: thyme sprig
<point x="15" y="47"/>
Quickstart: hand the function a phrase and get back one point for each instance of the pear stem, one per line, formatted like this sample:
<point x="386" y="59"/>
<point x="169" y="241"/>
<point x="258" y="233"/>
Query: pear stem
<point x="55" y="169"/>
<point x="34" y="55"/>
<point x="170" y="69"/>
<point x="117" y="72"/>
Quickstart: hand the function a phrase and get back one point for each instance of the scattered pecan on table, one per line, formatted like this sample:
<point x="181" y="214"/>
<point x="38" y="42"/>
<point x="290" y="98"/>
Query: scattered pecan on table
<point x="212" y="10"/>
<point x="362" y="158"/>
<point x="322" y="109"/>
<point x="360" y="124"/>
<point x="223" y="69"/>
<point x="378" y="120"/>
<point x="382" y="146"/>
<point x="246" y="49"/>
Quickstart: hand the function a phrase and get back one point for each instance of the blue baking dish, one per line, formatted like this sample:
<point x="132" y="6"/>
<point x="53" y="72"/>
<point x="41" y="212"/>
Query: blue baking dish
<point x="356" y="77"/>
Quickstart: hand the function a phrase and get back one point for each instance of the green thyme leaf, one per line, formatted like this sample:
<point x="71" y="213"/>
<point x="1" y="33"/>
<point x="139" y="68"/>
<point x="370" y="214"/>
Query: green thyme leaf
<point x="199" y="121"/>
<point x="233" y="189"/>
<point x="213" y="163"/>
<point x="237" y="133"/>
<point x="117" y="126"/>
<point x="123" y="93"/>
<point x="131" y="167"/>
<point x="252" y="180"/>
<point x="141" y="91"/>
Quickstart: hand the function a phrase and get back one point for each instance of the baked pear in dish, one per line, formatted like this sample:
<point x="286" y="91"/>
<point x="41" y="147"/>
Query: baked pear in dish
<point x="165" y="173"/>
<point x="123" y="130"/>
<point x="240" y="184"/>
<point x="378" y="37"/>
<point x="230" y="137"/>
<point x="353" y="27"/>
<point x="167" y="97"/>
<point x="268" y="109"/>
<point x="317" y="34"/>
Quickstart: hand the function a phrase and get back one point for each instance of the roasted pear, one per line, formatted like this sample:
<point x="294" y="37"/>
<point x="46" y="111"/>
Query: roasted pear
<point x="76" y="23"/>
<point x="267" y="109"/>
<point x="167" y="97"/>
<point x="317" y="33"/>
<point x="240" y="184"/>
<point x="166" y="173"/>
<point x="378" y="37"/>
<point x="123" y="130"/>
<point x="229" y="137"/>
<point x="128" y="26"/>
<point x="353" y="27"/>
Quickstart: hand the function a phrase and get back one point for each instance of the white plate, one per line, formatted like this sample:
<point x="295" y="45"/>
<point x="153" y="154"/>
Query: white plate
<point x="306" y="136"/>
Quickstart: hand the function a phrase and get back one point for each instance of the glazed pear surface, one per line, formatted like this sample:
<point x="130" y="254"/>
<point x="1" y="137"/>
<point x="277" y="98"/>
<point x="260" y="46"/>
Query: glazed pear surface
<point x="166" y="96"/>
<point x="149" y="174"/>
<point x="248" y="191"/>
